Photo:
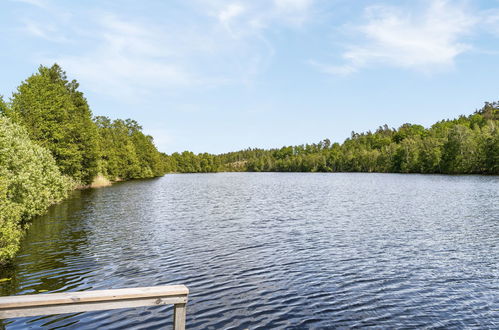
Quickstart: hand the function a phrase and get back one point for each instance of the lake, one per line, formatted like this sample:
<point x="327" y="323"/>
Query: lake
<point x="275" y="250"/>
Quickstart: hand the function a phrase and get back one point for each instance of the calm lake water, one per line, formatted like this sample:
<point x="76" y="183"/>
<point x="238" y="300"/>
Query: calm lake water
<point x="275" y="250"/>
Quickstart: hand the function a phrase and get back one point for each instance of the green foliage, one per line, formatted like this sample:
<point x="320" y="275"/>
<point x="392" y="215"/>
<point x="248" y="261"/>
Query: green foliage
<point x="10" y="218"/>
<point x="58" y="147"/>
<point x="3" y="106"/>
<point x="57" y="117"/>
<point x="128" y="153"/>
<point x="30" y="182"/>
<point x="464" y="145"/>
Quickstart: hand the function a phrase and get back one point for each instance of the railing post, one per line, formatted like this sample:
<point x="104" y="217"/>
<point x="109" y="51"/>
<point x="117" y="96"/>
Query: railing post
<point x="179" y="314"/>
<point x="86" y="301"/>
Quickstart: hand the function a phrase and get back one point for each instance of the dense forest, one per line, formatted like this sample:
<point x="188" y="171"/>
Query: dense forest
<point x="50" y="143"/>
<point x="466" y="145"/>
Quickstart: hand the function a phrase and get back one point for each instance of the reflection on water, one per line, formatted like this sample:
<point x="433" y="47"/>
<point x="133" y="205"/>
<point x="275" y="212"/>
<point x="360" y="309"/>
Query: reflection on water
<point x="275" y="250"/>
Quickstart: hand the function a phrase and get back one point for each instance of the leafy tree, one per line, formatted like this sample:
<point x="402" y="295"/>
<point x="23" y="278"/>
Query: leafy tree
<point x="30" y="182"/>
<point x="128" y="153"/>
<point x="3" y="106"/>
<point x="57" y="117"/>
<point x="459" y="150"/>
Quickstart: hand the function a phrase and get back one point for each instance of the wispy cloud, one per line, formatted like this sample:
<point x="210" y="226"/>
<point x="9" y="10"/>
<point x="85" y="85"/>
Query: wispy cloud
<point x="37" y="3"/>
<point x="295" y="12"/>
<point x="128" y="59"/>
<point x="426" y="40"/>
<point x="131" y="56"/>
<point x="45" y="31"/>
<point x="248" y="18"/>
<point x="229" y="13"/>
<point x="490" y="20"/>
<point x="241" y="28"/>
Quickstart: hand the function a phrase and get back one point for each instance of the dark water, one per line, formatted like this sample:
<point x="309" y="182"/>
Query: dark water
<point x="275" y="251"/>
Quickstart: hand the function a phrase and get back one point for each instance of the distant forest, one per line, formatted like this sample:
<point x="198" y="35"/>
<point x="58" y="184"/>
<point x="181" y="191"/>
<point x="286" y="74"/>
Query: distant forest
<point x="466" y="145"/>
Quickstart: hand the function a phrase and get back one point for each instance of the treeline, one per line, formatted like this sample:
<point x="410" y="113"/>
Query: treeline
<point x="56" y="116"/>
<point x="50" y="143"/>
<point x="466" y="145"/>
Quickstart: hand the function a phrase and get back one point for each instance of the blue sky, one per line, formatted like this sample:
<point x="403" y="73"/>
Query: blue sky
<point x="218" y="76"/>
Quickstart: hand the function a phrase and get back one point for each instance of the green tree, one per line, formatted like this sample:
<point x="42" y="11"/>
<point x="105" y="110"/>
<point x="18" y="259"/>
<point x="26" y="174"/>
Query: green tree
<point x="57" y="117"/>
<point x="30" y="182"/>
<point x="128" y="153"/>
<point x="3" y="106"/>
<point x="459" y="151"/>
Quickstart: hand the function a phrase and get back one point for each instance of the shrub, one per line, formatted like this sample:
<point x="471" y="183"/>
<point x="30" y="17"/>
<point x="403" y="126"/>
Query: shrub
<point x="30" y="182"/>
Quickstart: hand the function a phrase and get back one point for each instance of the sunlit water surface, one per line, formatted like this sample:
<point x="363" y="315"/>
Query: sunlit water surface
<point x="275" y="250"/>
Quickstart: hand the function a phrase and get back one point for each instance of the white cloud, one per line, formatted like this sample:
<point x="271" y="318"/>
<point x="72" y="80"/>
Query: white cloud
<point x="240" y="29"/>
<point x="36" y="30"/>
<point x="45" y="31"/>
<point x="127" y="60"/>
<point x="293" y="5"/>
<point x="339" y="70"/>
<point x="295" y="12"/>
<point x="229" y="12"/>
<point x="424" y="41"/>
<point x="245" y="19"/>
<point x="490" y="21"/>
<point x="37" y="3"/>
<point x="120" y="56"/>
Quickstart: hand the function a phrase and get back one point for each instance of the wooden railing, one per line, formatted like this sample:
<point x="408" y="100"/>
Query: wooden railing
<point x="83" y="301"/>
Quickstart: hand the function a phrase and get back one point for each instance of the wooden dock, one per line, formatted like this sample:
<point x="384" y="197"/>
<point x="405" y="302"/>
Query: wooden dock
<point x="84" y="301"/>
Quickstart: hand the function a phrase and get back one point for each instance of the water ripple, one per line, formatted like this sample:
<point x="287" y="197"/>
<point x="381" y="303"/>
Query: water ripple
<point x="261" y="251"/>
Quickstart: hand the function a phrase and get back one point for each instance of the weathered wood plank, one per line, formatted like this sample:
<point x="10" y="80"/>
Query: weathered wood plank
<point x="179" y="316"/>
<point x="89" y="306"/>
<point x="92" y="296"/>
